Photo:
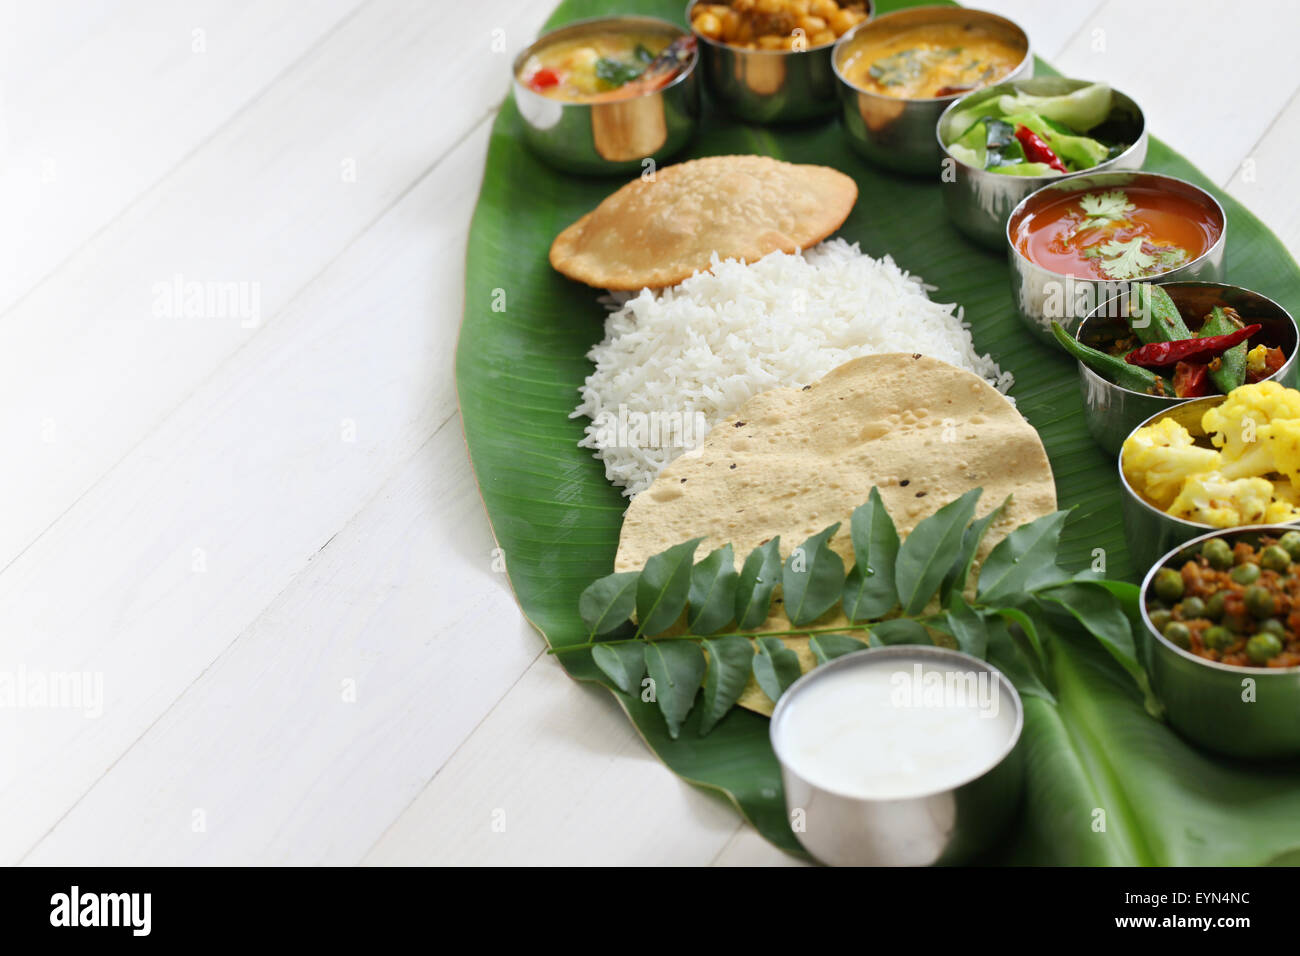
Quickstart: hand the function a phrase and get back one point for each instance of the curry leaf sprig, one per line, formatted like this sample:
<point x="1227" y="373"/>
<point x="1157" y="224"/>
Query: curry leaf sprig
<point x="700" y="633"/>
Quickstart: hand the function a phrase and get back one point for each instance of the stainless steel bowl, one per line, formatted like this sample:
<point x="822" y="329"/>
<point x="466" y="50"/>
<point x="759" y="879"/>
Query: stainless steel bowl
<point x="617" y="136"/>
<point x="1042" y="296"/>
<point x="770" y="86"/>
<point x="948" y="826"/>
<point x="1113" y="412"/>
<point x="899" y="133"/>
<point x="1149" y="531"/>
<point x="979" y="202"/>
<point x="1240" y="711"/>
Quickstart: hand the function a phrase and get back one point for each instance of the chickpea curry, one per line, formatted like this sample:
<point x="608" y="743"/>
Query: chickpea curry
<point x="1235" y="604"/>
<point x="932" y="60"/>
<point x="776" y="24"/>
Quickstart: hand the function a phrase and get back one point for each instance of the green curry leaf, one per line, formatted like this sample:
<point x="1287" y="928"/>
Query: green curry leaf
<point x="608" y="602"/>
<point x="730" y="661"/>
<point x="712" y="595"/>
<point x="676" y="667"/>
<point x="827" y="647"/>
<point x="758" y="578"/>
<point x="624" y="664"/>
<point x="927" y="552"/>
<point x="776" y="667"/>
<point x="869" y="592"/>
<point x="813" y="578"/>
<point x="663" y="587"/>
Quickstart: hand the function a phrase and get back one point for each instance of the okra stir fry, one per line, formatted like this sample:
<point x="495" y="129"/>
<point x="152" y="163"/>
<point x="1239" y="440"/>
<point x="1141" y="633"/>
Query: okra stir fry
<point x="1235" y="604"/>
<point x="1157" y="354"/>
<point x="1019" y="134"/>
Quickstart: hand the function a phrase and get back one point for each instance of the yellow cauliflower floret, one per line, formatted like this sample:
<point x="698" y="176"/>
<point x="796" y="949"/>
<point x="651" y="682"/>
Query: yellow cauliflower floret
<point x="1281" y="512"/>
<point x="1263" y="403"/>
<point x="1158" y="459"/>
<point x="1286" y="504"/>
<point x="1285" y="491"/>
<point x="1214" y="500"/>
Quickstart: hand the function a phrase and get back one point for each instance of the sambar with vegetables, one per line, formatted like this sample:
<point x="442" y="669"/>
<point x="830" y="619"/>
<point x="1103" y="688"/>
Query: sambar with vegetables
<point x="932" y="60"/>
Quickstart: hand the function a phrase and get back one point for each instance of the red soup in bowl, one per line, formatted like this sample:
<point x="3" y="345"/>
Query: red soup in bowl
<point x="1118" y="232"/>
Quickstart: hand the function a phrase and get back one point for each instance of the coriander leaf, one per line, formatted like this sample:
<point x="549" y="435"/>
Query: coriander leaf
<point x="616" y="73"/>
<point x="900" y="630"/>
<point x="954" y="582"/>
<point x="676" y="667"/>
<point x="812" y="580"/>
<point x="775" y="666"/>
<point x="624" y="664"/>
<point x="663" y="587"/>
<point x="1125" y="260"/>
<point x="927" y="552"/>
<point x="712" y="597"/>
<point x="827" y="647"/>
<point x="1098" y="208"/>
<point x="1023" y="560"/>
<point x="607" y="603"/>
<point x="758" y="578"/>
<point x="730" y="661"/>
<point x="869" y="591"/>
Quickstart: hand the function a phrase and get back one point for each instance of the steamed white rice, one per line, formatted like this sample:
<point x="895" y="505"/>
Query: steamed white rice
<point x="676" y="362"/>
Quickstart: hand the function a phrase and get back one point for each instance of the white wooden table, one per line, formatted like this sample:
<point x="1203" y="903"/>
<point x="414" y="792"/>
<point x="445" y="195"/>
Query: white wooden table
<point x="245" y="509"/>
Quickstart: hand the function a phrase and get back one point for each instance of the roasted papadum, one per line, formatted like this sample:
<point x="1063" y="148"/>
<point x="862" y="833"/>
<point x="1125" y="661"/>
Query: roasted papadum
<point x="793" y="461"/>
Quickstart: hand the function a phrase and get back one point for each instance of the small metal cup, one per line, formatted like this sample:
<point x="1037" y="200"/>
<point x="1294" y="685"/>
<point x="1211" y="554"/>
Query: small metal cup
<point x="1042" y="296"/>
<point x="770" y="86"/>
<point x="616" y="136"/>
<point x="944" y="827"/>
<point x="1113" y="412"/>
<point x="979" y="202"/>
<point x="1240" y="711"/>
<point x="899" y="133"/>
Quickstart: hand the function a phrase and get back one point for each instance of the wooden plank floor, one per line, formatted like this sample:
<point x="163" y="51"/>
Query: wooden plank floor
<point x="253" y="517"/>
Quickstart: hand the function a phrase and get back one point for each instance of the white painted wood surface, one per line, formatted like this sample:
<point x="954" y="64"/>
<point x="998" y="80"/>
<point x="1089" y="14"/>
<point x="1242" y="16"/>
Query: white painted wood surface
<point x="258" y="524"/>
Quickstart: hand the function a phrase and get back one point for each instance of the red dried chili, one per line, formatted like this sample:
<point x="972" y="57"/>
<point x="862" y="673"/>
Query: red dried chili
<point x="1036" y="151"/>
<point x="1159" y="354"/>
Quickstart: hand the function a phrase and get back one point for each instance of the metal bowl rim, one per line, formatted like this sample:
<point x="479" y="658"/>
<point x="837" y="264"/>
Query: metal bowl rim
<point x="1200" y="539"/>
<point x="871" y="12"/>
<point x="1061" y="181"/>
<point x="855" y="658"/>
<point x="1105" y="166"/>
<point x="1174" y="400"/>
<point x="528" y="51"/>
<point x="1123" y="479"/>
<point x="884" y="18"/>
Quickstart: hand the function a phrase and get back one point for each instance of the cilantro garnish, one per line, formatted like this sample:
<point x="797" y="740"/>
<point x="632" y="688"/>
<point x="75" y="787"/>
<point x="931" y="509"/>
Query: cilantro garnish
<point x="1112" y="206"/>
<point x="1125" y="260"/>
<point x="617" y="73"/>
<point x="1131" y="260"/>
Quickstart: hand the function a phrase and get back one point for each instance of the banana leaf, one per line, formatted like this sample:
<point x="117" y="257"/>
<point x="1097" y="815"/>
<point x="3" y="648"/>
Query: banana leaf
<point x="1106" y="783"/>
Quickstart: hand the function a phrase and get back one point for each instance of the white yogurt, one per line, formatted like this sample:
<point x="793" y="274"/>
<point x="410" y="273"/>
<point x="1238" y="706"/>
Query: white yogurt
<point x="895" y="728"/>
